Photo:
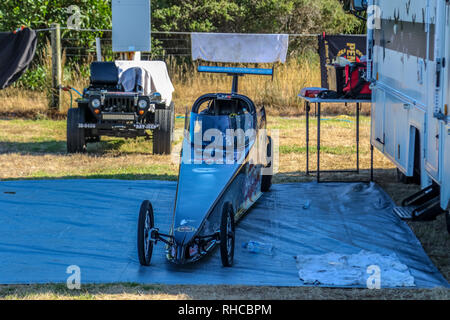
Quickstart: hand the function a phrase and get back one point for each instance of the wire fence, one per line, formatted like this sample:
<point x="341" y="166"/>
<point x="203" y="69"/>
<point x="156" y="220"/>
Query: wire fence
<point x="71" y="52"/>
<point x="164" y="44"/>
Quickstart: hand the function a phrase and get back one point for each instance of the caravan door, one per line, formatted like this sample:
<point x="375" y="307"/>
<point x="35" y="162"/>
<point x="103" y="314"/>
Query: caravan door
<point x="437" y="13"/>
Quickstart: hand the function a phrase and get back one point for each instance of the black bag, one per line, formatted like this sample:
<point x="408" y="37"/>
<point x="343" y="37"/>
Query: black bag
<point x="16" y="52"/>
<point x="329" y="94"/>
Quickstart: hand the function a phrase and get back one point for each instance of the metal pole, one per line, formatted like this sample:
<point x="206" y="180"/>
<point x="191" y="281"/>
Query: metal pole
<point x="307" y="109"/>
<point x="234" y="88"/>
<point x="318" y="142"/>
<point x="371" y="162"/>
<point x="56" y="66"/>
<point x="99" y="49"/>
<point x="357" y="137"/>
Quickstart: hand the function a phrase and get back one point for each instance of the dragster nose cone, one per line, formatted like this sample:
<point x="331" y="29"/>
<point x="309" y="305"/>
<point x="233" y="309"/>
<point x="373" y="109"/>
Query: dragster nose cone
<point x="181" y="254"/>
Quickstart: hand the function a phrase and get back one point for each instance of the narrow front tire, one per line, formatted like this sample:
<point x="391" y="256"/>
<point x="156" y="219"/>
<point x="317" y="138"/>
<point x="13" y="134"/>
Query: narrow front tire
<point x="227" y="236"/>
<point x="146" y="224"/>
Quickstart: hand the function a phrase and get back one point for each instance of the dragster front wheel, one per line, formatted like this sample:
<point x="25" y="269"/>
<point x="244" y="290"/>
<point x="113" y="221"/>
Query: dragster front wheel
<point x="227" y="236"/>
<point x="146" y="224"/>
<point x="266" y="180"/>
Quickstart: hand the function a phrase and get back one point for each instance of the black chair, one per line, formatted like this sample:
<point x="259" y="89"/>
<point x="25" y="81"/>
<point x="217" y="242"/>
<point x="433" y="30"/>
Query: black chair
<point x="104" y="74"/>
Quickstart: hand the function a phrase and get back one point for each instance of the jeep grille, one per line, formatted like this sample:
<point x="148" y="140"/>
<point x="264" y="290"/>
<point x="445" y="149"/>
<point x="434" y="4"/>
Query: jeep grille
<point x="118" y="104"/>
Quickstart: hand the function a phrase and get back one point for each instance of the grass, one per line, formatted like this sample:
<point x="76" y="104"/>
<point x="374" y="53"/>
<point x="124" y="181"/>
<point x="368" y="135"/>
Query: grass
<point x="133" y="291"/>
<point x="35" y="149"/>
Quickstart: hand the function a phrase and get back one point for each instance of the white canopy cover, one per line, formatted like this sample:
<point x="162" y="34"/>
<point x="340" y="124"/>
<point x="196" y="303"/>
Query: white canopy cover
<point x="239" y="47"/>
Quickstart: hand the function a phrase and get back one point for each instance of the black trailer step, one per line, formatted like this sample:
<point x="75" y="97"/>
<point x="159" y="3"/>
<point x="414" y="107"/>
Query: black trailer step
<point x="422" y="196"/>
<point x="428" y="211"/>
<point x="421" y="206"/>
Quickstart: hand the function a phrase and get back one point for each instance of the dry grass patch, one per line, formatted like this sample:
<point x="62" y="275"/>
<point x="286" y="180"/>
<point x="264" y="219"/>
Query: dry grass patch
<point x="132" y="291"/>
<point x="278" y="95"/>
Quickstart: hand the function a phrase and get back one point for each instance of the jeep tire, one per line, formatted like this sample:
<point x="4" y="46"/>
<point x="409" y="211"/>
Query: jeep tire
<point x="76" y="140"/>
<point x="162" y="137"/>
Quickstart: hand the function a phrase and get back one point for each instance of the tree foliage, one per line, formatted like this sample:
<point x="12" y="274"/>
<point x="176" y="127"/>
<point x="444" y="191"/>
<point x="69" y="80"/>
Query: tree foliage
<point x="241" y="16"/>
<point x="262" y="16"/>
<point x="39" y="14"/>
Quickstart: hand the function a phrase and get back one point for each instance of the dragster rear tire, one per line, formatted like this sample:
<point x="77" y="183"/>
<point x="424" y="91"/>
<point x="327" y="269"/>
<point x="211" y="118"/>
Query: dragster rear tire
<point x="227" y="236"/>
<point x="447" y="221"/>
<point x="266" y="179"/>
<point x="145" y="224"/>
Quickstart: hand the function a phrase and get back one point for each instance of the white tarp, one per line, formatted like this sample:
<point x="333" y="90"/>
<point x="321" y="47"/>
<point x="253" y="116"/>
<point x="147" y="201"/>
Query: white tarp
<point x="239" y="48"/>
<point x="334" y="269"/>
<point x="155" y="78"/>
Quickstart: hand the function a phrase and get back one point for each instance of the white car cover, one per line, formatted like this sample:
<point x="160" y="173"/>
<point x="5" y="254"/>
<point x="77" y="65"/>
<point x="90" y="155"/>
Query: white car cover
<point x="239" y="48"/>
<point x="155" y="78"/>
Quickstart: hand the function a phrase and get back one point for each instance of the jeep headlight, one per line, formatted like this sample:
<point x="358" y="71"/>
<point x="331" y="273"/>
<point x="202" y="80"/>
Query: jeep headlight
<point x="156" y="96"/>
<point x="143" y="104"/>
<point x="95" y="103"/>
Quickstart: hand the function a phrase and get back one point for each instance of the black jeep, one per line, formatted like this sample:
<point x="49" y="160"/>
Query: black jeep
<point x="107" y="110"/>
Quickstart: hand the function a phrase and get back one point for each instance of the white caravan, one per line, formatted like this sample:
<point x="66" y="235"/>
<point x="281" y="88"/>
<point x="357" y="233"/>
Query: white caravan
<point x="409" y="50"/>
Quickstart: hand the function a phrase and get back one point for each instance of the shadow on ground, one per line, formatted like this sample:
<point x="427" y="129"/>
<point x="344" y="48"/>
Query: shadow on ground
<point x="60" y="147"/>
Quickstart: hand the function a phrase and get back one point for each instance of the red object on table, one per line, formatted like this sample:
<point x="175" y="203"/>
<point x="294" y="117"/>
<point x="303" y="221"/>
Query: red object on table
<point x="311" y="92"/>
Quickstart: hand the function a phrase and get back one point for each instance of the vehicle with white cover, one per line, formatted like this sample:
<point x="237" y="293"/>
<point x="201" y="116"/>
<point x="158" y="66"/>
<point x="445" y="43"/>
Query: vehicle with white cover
<point x="126" y="99"/>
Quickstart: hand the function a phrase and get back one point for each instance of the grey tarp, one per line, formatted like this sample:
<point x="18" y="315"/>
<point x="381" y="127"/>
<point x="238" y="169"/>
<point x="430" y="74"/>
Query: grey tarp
<point x="16" y="52"/>
<point x="45" y="226"/>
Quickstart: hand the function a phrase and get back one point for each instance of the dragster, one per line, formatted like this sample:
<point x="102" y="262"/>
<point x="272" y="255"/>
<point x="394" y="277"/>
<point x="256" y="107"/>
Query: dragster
<point x="225" y="166"/>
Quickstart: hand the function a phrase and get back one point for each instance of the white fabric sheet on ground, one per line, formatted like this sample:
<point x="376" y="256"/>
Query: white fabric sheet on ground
<point x="155" y="77"/>
<point x="239" y="48"/>
<point x="360" y="269"/>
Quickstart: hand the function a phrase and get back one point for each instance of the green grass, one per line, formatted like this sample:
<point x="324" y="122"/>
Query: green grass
<point x="283" y="123"/>
<point x="49" y="136"/>
<point x="131" y="172"/>
<point x="340" y="150"/>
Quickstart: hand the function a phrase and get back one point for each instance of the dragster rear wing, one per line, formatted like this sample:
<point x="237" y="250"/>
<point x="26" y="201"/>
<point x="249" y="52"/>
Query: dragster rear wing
<point x="236" y="72"/>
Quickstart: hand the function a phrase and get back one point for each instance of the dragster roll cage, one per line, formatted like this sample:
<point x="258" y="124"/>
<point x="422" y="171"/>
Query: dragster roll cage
<point x="223" y="96"/>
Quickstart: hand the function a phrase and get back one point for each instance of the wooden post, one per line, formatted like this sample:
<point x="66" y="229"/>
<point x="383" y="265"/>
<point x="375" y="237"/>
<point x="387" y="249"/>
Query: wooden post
<point x="55" y="102"/>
